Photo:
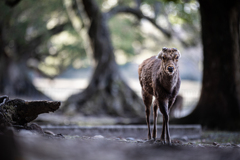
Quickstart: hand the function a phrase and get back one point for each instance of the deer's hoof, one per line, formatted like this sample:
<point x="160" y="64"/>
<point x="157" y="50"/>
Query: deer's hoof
<point x="162" y="141"/>
<point x="151" y="141"/>
<point x="169" y="143"/>
<point x="149" y="137"/>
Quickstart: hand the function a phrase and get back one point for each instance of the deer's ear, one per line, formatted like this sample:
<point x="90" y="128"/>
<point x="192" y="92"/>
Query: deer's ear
<point x="160" y="55"/>
<point x="164" y="49"/>
<point x="179" y="54"/>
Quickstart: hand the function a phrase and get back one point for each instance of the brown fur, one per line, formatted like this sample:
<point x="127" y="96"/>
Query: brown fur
<point x="159" y="77"/>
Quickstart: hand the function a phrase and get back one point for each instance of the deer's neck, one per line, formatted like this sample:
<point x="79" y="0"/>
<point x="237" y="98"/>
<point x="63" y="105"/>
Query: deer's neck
<point x="167" y="81"/>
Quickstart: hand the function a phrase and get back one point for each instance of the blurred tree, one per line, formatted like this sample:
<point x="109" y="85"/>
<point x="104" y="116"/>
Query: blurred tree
<point x="107" y="92"/>
<point x="37" y="35"/>
<point x="219" y="104"/>
<point x="13" y="75"/>
<point x="27" y="34"/>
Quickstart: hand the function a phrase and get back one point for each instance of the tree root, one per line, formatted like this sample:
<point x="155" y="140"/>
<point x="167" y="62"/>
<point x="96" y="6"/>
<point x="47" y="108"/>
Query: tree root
<point x="17" y="113"/>
<point x="116" y="99"/>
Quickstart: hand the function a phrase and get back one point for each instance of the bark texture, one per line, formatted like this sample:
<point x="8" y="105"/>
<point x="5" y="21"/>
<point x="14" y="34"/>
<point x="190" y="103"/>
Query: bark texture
<point x="19" y="112"/>
<point x="219" y="104"/>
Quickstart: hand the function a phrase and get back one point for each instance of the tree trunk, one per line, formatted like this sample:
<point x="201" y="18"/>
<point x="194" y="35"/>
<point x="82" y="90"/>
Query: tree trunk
<point x="219" y="104"/>
<point x="14" y="78"/>
<point x="3" y="61"/>
<point x="106" y="93"/>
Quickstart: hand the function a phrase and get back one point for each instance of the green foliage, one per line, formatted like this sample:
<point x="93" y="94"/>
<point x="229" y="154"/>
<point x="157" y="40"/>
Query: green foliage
<point x="125" y="32"/>
<point x="178" y="12"/>
<point x="31" y="19"/>
<point x="166" y="1"/>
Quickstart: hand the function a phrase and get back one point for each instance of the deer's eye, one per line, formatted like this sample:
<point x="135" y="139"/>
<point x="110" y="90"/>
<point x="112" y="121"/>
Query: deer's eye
<point x="176" y="57"/>
<point x="163" y="58"/>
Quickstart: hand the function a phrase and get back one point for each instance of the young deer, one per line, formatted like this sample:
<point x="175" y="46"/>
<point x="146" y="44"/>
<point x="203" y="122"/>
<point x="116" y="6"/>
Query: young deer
<point x="159" y="77"/>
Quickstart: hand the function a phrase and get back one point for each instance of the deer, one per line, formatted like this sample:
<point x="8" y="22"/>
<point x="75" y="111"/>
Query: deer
<point x="159" y="77"/>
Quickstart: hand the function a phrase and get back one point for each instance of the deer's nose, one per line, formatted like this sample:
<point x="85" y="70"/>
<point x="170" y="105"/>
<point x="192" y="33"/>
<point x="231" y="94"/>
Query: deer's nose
<point x="170" y="69"/>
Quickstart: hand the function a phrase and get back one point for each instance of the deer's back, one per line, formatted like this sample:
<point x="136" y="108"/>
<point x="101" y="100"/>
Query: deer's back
<point x="145" y="72"/>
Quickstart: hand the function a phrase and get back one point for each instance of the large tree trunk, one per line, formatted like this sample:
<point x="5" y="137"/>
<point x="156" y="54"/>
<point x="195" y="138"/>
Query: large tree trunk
<point x="106" y="93"/>
<point x="15" y="81"/>
<point x="219" y="104"/>
<point x="3" y="61"/>
<point x="14" y="78"/>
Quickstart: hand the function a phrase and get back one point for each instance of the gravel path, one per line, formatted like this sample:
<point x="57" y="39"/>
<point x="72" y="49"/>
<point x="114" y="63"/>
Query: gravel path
<point x="34" y="147"/>
<point x="30" y="145"/>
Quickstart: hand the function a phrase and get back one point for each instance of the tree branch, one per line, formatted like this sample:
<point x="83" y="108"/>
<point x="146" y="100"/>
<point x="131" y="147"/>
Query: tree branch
<point x="12" y="3"/>
<point x="80" y="22"/>
<point x="185" y="44"/>
<point x="33" y="65"/>
<point x="39" y="71"/>
<point x="138" y="13"/>
<point x="34" y="43"/>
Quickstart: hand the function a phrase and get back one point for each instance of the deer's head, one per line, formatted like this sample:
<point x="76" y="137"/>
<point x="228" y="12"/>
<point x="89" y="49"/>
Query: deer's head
<point x="169" y="57"/>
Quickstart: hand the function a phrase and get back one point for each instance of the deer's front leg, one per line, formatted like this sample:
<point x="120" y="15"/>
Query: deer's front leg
<point x="155" y="115"/>
<point x="163" y="105"/>
<point x="167" y="130"/>
<point x="162" y="138"/>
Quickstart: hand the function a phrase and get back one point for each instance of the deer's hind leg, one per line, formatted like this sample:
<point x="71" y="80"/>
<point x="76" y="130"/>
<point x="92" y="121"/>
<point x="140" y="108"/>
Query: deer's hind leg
<point x="147" y="100"/>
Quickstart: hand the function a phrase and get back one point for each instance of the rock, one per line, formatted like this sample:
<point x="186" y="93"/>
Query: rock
<point x="123" y="140"/>
<point x="175" y="141"/>
<point x="228" y="144"/>
<point x="200" y="145"/>
<point x="140" y="141"/>
<point x="59" y="136"/>
<point x="215" y="143"/>
<point x="98" y="137"/>
<point x="130" y="139"/>
<point x="185" y="138"/>
<point x="49" y="132"/>
<point x="35" y="127"/>
<point x="236" y="145"/>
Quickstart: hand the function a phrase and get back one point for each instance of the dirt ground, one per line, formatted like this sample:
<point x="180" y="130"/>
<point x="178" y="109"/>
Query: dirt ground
<point x="212" y="145"/>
